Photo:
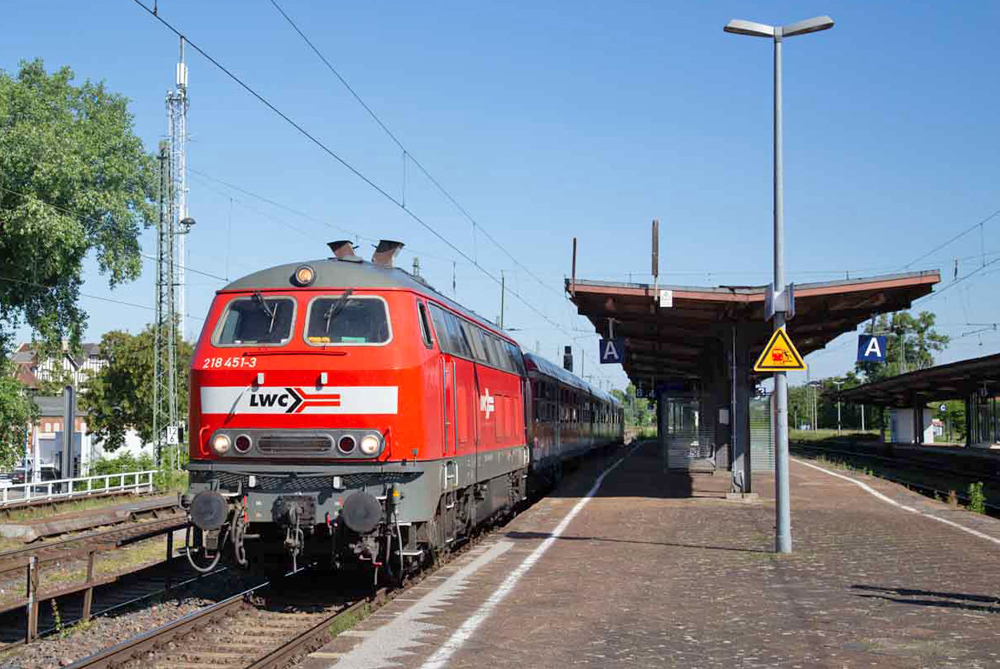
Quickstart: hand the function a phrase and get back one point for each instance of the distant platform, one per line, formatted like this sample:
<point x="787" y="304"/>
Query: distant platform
<point x="663" y="571"/>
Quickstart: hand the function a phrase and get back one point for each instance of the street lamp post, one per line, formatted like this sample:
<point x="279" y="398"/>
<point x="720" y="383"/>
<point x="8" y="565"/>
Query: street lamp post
<point x="783" y="542"/>
<point x="838" y="384"/>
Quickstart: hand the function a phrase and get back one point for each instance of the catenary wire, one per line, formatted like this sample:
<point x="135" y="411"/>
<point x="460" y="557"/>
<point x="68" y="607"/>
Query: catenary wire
<point x="312" y="138"/>
<point x="953" y="239"/>
<point x="90" y="296"/>
<point x="80" y="217"/>
<point x="407" y="154"/>
<point x="274" y="203"/>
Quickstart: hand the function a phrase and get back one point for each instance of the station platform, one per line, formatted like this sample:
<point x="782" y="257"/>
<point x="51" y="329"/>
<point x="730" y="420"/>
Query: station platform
<point x="661" y="570"/>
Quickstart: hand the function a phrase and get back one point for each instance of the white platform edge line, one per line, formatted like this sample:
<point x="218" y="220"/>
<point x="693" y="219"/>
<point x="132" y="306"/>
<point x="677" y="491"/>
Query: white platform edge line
<point x="882" y="497"/>
<point x="471" y="624"/>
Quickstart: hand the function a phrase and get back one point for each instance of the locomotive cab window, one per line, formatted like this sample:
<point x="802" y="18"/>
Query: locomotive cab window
<point x="347" y="320"/>
<point x="425" y="326"/>
<point x="256" y="321"/>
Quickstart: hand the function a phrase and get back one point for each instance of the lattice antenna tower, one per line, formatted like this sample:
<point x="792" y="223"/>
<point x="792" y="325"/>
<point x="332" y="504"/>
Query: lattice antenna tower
<point x="165" y="330"/>
<point x="177" y="109"/>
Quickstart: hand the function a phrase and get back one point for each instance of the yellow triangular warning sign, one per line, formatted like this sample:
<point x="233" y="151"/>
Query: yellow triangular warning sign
<point x="779" y="355"/>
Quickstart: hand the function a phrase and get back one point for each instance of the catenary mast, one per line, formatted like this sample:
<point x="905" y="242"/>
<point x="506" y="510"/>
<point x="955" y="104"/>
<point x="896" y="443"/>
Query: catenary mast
<point x="177" y="108"/>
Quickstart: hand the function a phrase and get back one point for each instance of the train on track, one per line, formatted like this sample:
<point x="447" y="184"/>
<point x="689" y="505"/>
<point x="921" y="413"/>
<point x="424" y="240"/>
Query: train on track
<point x="344" y="412"/>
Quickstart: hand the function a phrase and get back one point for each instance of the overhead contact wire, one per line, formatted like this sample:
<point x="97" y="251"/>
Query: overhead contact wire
<point x="407" y="154"/>
<point x="312" y="138"/>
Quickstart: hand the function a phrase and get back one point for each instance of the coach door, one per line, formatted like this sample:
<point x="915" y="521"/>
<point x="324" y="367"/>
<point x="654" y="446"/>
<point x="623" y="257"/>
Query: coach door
<point x="449" y="405"/>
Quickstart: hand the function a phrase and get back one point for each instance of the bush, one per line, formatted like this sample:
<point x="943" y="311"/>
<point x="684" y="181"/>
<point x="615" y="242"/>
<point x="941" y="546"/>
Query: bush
<point x="123" y="463"/>
<point x="977" y="500"/>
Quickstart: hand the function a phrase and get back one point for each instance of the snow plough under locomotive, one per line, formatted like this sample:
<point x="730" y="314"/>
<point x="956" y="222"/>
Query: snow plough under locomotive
<point x="344" y="412"/>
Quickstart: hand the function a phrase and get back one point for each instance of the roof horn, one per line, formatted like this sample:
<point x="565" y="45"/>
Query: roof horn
<point x="342" y="248"/>
<point x="385" y="252"/>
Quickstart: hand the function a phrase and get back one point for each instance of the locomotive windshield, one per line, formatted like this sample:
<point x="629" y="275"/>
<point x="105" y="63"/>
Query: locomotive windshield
<point x="258" y="321"/>
<point x="340" y="319"/>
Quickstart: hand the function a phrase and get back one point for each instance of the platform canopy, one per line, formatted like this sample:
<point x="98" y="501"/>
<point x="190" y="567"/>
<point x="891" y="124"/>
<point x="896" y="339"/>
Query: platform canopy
<point x="956" y="380"/>
<point x="672" y="341"/>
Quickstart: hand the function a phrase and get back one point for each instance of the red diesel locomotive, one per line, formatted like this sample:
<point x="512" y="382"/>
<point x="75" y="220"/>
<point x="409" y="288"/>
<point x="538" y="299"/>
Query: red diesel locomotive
<point x="344" y="411"/>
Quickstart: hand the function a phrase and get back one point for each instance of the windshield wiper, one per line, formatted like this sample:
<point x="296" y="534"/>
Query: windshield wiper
<point x="336" y="308"/>
<point x="268" y="309"/>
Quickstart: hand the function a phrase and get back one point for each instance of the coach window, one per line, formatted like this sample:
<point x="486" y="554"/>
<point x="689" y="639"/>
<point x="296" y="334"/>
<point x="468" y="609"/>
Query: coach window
<point x="347" y="321"/>
<point x="256" y="321"/>
<point x="425" y="326"/>
<point x="472" y="337"/>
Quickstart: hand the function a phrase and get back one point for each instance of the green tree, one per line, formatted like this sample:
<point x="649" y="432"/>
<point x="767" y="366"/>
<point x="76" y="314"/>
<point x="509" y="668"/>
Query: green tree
<point x="17" y="412"/>
<point x="910" y="345"/>
<point x="74" y="180"/>
<point x="800" y="406"/>
<point x="120" y="394"/>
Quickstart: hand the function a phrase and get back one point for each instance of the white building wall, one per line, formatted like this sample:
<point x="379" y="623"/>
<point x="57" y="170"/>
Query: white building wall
<point x="901" y="426"/>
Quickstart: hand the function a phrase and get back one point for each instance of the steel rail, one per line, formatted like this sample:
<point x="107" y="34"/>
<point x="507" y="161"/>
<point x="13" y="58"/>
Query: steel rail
<point x="916" y="460"/>
<point x="923" y="488"/>
<point x="130" y="649"/>
<point x="105" y="540"/>
<point x="315" y="636"/>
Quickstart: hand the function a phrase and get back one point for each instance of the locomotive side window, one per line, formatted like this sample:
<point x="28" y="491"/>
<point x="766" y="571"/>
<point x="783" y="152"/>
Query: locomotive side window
<point x="472" y="336"/>
<point x="457" y="336"/>
<point x="425" y="326"/>
<point x="256" y="321"/>
<point x="345" y="320"/>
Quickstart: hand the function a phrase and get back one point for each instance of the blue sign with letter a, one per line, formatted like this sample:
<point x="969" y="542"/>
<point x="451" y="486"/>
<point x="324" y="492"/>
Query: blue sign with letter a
<point x="612" y="350"/>
<point x="871" y="349"/>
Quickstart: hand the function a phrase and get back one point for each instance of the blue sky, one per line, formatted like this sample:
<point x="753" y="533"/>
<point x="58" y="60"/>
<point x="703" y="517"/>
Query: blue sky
<point x="548" y="120"/>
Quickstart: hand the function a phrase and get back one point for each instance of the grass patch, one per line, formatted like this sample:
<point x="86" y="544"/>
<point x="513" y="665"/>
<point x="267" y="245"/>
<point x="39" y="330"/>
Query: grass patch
<point x="347" y="621"/>
<point x="824" y="435"/>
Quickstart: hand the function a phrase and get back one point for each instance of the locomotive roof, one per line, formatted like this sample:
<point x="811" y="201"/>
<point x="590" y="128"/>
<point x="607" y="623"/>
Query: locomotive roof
<point x="357" y="273"/>
<point x="337" y="273"/>
<point x="555" y="371"/>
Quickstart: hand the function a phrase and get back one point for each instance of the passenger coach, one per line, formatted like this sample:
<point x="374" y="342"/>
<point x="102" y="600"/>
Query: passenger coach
<point x="344" y="411"/>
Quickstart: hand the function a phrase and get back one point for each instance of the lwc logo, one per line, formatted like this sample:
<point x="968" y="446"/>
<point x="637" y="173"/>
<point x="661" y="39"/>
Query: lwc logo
<point x="287" y="399"/>
<point x="291" y="400"/>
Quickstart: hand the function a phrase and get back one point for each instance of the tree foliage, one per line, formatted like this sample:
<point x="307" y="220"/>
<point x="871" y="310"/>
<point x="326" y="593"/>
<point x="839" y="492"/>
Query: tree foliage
<point x="120" y="394"/>
<point x="637" y="410"/>
<point x="17" y="412"/>
<point x="910" y="344"/>
<point x="74" y="180"/>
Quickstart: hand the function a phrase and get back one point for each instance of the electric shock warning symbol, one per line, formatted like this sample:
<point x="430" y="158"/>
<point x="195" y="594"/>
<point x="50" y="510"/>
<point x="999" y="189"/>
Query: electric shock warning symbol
<point x="779" y="355"/>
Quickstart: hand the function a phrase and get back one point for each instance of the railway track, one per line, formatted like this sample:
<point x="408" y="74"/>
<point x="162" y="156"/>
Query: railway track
<point x="256" y="628"/>
<point x="263" y="627"/>
<point x="75" y="547"/>
<point x="930" y="470"/>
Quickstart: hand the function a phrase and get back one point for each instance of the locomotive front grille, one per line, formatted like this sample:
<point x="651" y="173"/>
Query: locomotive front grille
<point x="313" y="483"/>
<point x="297" y="444"/>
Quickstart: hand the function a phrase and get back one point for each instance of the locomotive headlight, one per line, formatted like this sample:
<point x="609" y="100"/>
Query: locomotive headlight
<point x="304" y="275"/>
<point x="220" y="444"/>
<point x="369" y="444"/>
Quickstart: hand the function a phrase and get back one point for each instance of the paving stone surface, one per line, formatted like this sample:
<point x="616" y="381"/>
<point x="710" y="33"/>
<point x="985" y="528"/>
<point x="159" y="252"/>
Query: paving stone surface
<point x="662" y="571"/>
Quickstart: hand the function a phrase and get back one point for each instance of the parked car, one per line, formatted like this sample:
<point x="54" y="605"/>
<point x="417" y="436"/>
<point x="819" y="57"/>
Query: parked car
<point x="46" y="472"/>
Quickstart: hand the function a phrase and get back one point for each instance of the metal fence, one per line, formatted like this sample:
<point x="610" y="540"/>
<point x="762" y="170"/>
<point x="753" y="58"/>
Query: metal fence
<point x="762" y="434"/>
<point x="84" y="486"/>
<point x="689" y="442"/>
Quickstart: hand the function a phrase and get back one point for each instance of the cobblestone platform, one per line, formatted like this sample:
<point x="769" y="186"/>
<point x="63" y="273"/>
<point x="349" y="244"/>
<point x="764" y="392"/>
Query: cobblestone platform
<point x="662" y="571"/>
